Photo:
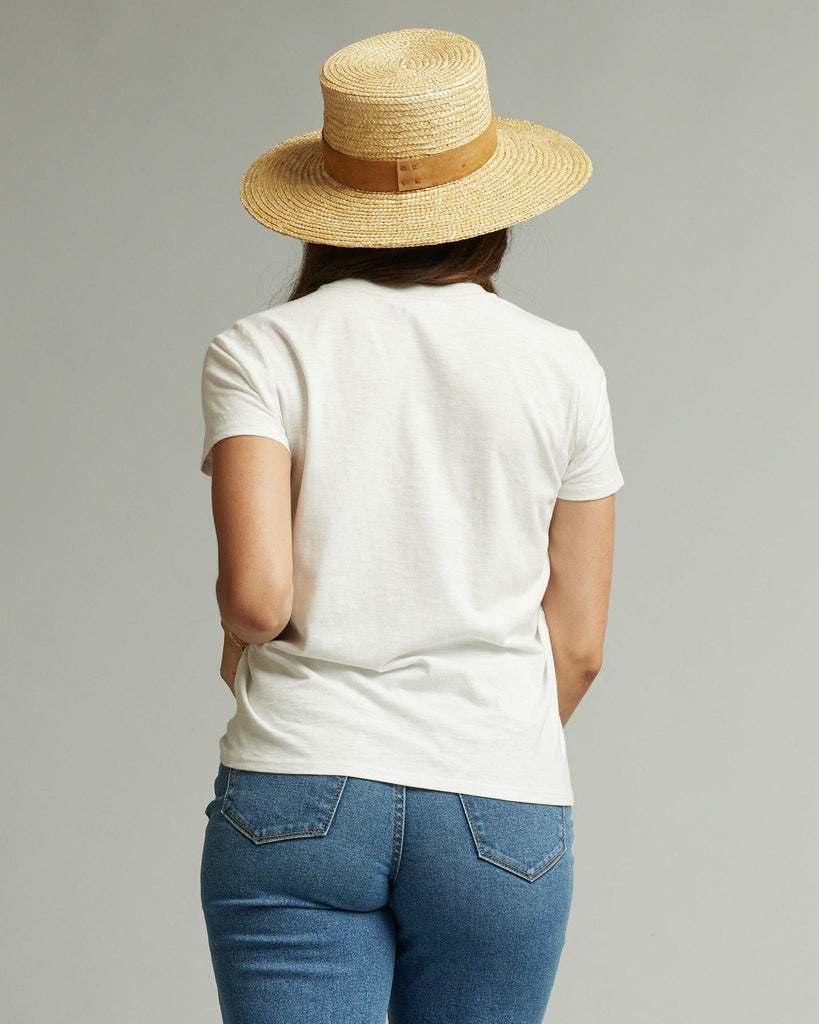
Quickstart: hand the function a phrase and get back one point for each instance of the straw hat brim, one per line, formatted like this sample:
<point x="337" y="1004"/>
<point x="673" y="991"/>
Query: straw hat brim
<point x="532" y="169"/>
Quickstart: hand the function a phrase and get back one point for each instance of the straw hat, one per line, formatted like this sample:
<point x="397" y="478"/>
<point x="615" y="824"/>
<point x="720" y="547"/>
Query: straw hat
<point x="411" y="152"/>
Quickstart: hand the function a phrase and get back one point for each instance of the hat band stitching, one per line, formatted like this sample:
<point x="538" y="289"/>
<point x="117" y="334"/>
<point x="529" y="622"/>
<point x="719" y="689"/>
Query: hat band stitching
<point x="409" y="174"/>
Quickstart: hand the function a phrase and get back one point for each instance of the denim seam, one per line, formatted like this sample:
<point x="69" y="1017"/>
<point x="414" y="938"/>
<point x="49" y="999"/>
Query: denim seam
<point x="399" y="812"/>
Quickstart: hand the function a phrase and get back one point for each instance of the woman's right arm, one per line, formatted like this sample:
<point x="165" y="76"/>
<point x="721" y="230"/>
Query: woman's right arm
<point x="576" y="602"/>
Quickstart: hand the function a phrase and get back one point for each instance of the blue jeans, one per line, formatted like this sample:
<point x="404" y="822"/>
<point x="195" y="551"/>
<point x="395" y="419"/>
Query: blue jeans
<point x="331" y="899"/>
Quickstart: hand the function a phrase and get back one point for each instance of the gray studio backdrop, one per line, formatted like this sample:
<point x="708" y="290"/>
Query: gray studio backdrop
<point x="687" y="262"/>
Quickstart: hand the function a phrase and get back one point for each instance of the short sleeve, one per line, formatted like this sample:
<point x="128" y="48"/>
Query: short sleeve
<point x="238" y="396"/>
<point x="593" y="470"/>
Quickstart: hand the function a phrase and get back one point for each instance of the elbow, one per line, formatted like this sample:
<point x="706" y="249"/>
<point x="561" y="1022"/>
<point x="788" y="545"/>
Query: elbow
<point x="255" y="617"/>
<point x="586" y="664"/>
<point x="591" y="671"/>
<point x="591" y="664"/>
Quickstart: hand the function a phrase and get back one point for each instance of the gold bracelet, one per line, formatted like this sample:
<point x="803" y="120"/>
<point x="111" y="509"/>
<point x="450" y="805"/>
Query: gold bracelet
<point x="241" y="644"/>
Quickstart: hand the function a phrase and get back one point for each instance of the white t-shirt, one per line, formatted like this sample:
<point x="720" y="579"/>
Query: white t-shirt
<point x="430" y="430"/>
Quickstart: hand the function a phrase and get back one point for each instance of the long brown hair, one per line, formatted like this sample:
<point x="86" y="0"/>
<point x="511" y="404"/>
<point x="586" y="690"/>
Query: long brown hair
<point x="474" y="259"/>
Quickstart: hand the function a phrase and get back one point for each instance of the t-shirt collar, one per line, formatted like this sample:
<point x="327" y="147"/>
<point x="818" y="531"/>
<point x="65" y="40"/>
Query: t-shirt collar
<point x="455" y="288"/>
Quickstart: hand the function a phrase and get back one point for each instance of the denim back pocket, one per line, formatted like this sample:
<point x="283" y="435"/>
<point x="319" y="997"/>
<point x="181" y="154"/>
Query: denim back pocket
<point x="269" y="806"/>
<point x="526" y="839"/>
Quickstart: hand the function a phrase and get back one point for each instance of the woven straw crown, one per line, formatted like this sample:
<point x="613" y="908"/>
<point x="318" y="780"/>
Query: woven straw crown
<point x="405" y="94"/>
<point x="411" y="152"/>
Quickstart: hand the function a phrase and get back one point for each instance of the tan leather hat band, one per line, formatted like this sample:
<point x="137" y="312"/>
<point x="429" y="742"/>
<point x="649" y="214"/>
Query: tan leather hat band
<point x="411" y="173"/>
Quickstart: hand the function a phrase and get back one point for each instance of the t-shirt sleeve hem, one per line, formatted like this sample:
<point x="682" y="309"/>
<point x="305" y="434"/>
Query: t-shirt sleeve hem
<point x="588" y="492"/>
<point x="234" y="429"/>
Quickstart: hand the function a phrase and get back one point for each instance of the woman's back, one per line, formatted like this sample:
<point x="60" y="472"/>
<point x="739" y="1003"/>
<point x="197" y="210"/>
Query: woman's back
<point x="431" y="429"/>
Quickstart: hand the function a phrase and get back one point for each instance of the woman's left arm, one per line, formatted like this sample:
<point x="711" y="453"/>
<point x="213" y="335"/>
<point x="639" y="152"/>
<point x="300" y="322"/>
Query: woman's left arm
<point x="251" y="511"/>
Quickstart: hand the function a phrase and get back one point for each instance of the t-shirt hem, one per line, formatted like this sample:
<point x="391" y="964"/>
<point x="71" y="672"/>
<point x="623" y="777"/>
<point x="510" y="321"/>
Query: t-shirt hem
<point x="416" y="780"/>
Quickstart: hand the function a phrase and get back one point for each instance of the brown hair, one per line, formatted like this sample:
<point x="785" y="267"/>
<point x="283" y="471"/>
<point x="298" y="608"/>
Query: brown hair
<point x="469" y="259"/>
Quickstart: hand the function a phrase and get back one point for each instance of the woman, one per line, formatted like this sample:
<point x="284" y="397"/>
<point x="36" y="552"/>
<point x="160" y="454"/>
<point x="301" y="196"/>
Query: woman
<point x="413" y="492"/>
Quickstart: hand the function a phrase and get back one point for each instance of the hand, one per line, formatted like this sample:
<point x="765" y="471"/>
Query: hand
<point x="231" y="656"/>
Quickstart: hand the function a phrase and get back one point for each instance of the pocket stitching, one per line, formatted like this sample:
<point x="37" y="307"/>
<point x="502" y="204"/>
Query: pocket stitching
<point x="483" y="848"/>
<point x="260" y="837"/>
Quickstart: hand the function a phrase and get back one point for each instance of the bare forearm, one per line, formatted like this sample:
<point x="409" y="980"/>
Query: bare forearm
<point x="231" y="656"/>
<point x="573" y="680"/>
<point x="231" y="651"/>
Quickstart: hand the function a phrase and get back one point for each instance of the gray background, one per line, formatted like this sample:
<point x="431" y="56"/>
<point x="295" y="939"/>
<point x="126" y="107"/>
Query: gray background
<point x="684" y="262"/>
